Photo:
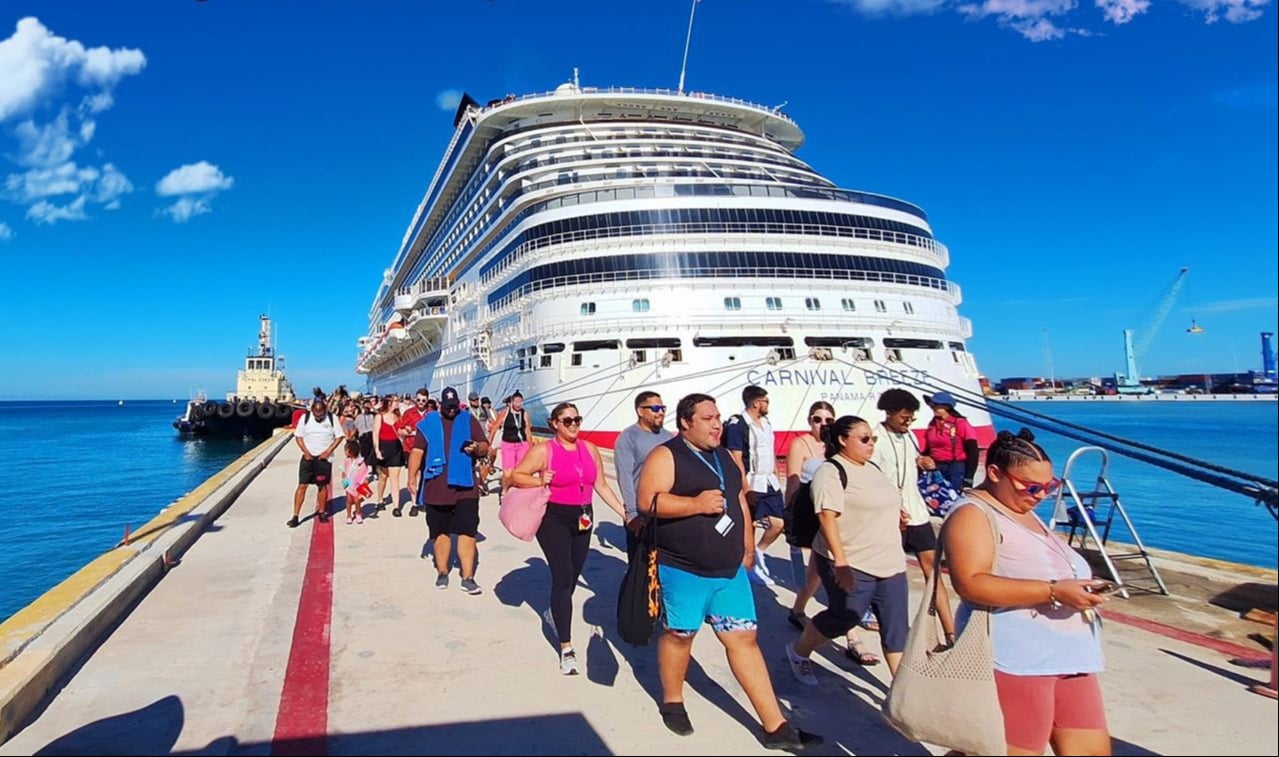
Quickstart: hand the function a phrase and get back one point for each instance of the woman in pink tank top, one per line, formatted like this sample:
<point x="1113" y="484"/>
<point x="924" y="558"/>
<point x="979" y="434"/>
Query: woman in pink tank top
<point x="570" y="467"/>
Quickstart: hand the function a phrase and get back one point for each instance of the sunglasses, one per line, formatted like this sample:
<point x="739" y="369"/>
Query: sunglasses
<point x="574" y="420"/>
<point x="1034" y="488"/>
<point x="655" y="408"/>
<point x="868" y="439"/>
<point x="819" y="419"/>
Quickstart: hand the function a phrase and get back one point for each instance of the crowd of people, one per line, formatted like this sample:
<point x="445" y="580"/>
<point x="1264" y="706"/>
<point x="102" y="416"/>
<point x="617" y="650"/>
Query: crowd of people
<point x="709" y="486"/>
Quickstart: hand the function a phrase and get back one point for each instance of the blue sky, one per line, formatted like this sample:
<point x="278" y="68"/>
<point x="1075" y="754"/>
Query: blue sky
<point x="171" y="170"/>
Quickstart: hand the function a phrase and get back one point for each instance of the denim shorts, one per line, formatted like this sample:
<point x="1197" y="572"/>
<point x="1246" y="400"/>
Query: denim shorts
<point x="688" y="600"/>
<point x="888" y="597"/>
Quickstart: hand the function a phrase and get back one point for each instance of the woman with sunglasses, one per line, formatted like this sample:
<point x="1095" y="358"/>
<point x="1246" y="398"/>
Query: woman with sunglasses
<point x="804" y="456"/>
<point x="572" y="469"/>
<point x="858" y="549"/>
<point x="1043" y="628"/>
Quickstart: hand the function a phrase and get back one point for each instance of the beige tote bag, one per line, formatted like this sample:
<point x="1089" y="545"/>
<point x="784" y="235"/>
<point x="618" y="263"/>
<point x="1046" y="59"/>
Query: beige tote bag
<point x="947" y="696"/>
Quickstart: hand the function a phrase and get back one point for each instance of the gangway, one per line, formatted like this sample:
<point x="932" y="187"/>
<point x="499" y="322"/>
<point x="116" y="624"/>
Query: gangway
<point x="1090" y="514"/>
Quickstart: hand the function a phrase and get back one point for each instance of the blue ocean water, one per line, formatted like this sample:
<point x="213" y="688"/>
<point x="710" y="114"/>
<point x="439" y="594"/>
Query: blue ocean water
<point x="78" y="472"/>
<point x="81" y="471"/>
<point x="1170" y="511"/>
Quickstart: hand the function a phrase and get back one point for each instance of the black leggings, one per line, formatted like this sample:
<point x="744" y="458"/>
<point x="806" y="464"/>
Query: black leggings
<point x="565" y="548"/>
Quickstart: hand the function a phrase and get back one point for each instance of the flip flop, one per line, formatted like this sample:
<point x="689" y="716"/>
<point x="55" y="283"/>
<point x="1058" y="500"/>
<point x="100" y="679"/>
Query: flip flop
<point x="865" y="659"/>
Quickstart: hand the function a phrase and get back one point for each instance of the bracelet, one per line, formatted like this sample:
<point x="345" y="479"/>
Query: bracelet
<point x="1052" y="597"/>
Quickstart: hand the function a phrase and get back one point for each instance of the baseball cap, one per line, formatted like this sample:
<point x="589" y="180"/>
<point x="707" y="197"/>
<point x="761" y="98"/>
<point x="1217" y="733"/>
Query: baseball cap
<point x="473" y="396"/>
<point x="942" y="398"/>
<point x="448" y="398"/>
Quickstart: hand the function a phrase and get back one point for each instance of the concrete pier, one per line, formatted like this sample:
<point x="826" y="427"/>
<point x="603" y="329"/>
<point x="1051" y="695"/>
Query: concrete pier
<point x="331" y="638"/>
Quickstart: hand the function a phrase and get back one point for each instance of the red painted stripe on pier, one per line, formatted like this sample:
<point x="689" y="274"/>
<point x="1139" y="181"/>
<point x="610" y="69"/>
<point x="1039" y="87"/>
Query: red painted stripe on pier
<point x="302" y="722"/>
<point x="1190" y="637"/>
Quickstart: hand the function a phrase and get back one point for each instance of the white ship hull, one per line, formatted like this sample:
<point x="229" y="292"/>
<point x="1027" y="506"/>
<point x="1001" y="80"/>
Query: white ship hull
<point x="585" y="245"/>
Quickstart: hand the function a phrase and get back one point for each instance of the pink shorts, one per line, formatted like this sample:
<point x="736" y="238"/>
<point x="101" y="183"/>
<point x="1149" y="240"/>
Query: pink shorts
<point x="1034" y="705"/>
<point x="512" y="454"/>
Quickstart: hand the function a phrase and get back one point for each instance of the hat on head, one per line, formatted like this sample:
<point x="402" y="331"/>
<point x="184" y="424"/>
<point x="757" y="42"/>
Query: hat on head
<point x="473" y="396"/>
<point x="448" y="398"/>
<point x="940" y="398"/>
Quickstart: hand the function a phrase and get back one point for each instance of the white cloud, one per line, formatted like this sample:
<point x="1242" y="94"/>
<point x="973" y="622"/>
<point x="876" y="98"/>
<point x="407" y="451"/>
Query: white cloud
<point x="36" y="62"/>
<point x="1119" y="12"/>
<point x="45" y="212"/>
<point x="186" y="207"/>
<point x="1044" y="20"/>
<point x="195" y="185"/>
<point x="448" y="99"/>
<point x="1234" y="11"/>
<point x="40" y="69"/>
<point x="193" y="178"/>
<point x="894" y="7"/>
<point x="6" y="233"/>
<point x="39" y="183"/>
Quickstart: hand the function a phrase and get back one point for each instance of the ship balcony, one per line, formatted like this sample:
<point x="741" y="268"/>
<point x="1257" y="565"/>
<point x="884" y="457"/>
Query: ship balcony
<point x="429" y="322"/>
<point x="431" y="292"/>
<point x="405" y="300"/>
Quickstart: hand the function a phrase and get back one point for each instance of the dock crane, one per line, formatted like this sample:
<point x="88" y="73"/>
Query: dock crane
<point x="1131" y="382"/>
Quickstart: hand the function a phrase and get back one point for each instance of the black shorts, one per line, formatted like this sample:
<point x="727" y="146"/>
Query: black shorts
<point x="768" y="505"/>
<point x="315" y="471"/>
<point x="462" y="519"/>
<point x="366" y="447"/>
<point x="921" y="538"/>
<point x="888" y="597"/>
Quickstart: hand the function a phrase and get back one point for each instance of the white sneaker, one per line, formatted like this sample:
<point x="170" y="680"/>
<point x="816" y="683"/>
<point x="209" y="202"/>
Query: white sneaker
<point x="568" y="662"/>
<point x="800" y="667"/>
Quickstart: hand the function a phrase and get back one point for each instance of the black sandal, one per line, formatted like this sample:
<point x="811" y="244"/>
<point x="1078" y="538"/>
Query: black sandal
<point x="865" y="659"/>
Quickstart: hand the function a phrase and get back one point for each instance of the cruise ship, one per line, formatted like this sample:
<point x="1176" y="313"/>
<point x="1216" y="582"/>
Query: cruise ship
<point x="585" y="244"/>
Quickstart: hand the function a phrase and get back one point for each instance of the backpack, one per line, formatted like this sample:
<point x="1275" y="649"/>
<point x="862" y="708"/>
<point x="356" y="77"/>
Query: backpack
<point x="802" y="523"/>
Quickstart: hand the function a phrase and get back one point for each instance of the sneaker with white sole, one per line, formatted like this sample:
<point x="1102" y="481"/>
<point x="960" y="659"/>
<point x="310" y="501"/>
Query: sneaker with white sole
<point x="800" y="667"/>
<point x="470" y="587"/>
<point x="568" y="662"/>
<point x="442" y="581"/>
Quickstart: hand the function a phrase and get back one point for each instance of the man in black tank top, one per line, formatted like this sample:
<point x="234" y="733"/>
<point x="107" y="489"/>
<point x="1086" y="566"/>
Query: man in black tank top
<point x="694" y="488"/>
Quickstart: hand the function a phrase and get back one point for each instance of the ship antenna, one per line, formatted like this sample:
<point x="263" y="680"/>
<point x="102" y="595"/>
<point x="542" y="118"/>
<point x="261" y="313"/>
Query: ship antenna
<point x="688" y="39"/>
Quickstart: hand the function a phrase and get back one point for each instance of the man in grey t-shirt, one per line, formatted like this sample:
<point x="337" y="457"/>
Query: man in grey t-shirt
<point x="629" y="453"/>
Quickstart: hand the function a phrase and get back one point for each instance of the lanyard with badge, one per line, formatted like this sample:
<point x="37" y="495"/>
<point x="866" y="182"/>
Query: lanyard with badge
<point x="725" y="523"/>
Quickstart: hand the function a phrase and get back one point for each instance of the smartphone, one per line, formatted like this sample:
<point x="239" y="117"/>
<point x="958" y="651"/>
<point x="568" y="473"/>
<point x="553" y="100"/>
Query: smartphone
<point x="1104" y="587"/>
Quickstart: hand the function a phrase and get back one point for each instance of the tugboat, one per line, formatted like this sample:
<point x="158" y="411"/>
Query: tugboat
<point x="263" y="399"/>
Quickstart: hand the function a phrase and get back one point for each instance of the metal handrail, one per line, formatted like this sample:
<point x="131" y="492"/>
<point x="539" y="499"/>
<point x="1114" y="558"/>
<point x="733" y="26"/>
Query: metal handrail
<point x="704" y="96"/>
<point x="662" y="229"/>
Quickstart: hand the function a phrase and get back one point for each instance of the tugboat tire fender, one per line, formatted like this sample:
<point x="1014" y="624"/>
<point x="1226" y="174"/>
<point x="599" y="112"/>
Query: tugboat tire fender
<point x="244" y="409"/>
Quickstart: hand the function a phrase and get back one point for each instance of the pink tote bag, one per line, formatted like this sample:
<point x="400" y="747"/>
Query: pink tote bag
<point x="522" y="510"/>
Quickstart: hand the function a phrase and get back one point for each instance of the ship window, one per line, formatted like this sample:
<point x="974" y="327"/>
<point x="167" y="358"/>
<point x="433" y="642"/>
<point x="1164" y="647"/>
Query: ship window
<point x="743" y="341"/>
<point x="909" y="308"/>
<point x="546" y="361"/>
<point x="591" y="345"/>
<point x="837" y="341"/>
<point x="894" y="356"/>
<point x="676" y="356"/>
<point x="848" y="305"/>
<point x="639" y="306"/>
<point x="957" y="346"/>
<point x="880" y="307"/>
<point x="812" y="303"/>
<point x="785" y="353"/>
<point x="732" y="303"/>
<point x="773" y="303"/>
<point x="552" y="347"/>
<point x="576" y="359"/>
<point x="588" y="308"/>
<point x="659" y="343"/>
<point x="639" y="356"/>
<point x="913" y="344"/>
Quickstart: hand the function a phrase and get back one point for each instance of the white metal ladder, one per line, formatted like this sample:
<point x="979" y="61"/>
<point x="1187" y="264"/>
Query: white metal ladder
<point x="1084" y="512"/>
